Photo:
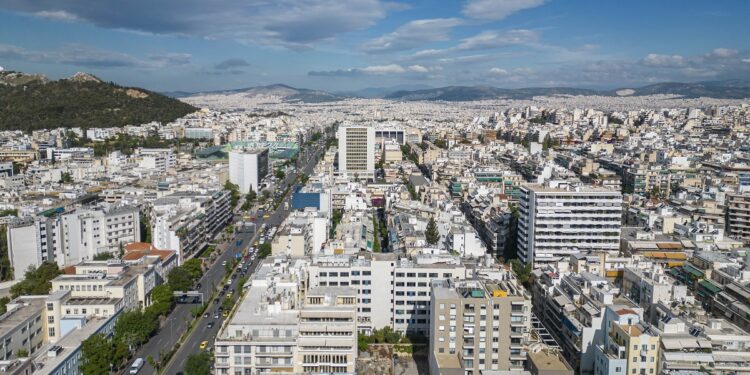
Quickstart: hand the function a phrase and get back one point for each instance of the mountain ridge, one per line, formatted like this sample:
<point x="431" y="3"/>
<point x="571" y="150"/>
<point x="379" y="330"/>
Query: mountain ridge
<point x="728" y="89"/>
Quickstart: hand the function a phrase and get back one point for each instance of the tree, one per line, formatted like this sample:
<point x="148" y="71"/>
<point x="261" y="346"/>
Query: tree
<point x="251" y="196"/>
<point x="432" y="235"/>
<point x="66" y="178"/>
<point x="104" y="256"/>
<point x="6" y="268"/>
<point x="264" y="250"/>
<point x="22" y="353"/>
<point x="198" y="364"/>
<point x="280" y="174"/>
<point x="162" y="294"/>
<point x="37" y="281"/>
<point x="145" y="228"/>
<point x="194" y="267"/>
<point x="180" y="279"/>
<point x="134" y="328"/>
<point x="522" y="271"/>
<point x="4" y="305"/>
<point x="96" y="355"/>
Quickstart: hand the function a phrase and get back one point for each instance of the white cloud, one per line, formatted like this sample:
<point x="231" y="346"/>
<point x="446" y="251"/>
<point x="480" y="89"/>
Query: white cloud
<point x="723" y="53"/>
<point x="498" y="72"/>
<point x="89" y="57"/>
<point x="383" y="69"/>
<point x="493" y="10"/>
<point x="497" y="39"/>
<point x="654" y="59"/>
<point x="58" y="15"/>
<point x="418" y="69"/>
<point x="413" y="34"/>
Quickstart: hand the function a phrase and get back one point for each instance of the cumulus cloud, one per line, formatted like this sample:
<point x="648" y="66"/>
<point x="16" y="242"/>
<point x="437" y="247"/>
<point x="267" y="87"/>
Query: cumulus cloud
<point x="413" y="34"/>
<point x="88" y="57"/>
<point x="493" y="10"/>
<point x="496" y="39"/>
<point x="498" y="72"/>
<point x="294" y="24"/>
<point x="723" y="53"/>
<point x="418" y="69"/>
<point x="232" y="63"/>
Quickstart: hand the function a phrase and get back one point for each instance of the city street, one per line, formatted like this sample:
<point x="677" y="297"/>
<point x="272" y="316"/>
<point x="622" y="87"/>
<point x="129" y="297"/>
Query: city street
<point x="176" y="323"/>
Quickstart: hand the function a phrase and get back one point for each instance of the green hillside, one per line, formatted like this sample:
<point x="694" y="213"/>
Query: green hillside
<point x="32" y="102"/>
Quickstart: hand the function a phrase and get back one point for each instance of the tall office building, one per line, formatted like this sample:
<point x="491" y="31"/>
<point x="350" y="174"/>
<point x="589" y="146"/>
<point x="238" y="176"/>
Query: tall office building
<point x="557" y="222"/>
<point x="478" y="325"/>
<point x="357" y="151"/>
<point x="247" y="168"/>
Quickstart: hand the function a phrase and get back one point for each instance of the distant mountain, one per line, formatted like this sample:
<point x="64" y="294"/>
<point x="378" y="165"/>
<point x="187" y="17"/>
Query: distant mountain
<point x="287" y="93"/>
<point x="30" y="102"/>
<point x="732" y="89"/>
<point x="379" y="92"/>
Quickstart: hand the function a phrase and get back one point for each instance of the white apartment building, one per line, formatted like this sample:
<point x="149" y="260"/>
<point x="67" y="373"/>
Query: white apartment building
<point x="187" y="221"/>
<point x="279" y="326"/>
<point x="557" y="222"/>
<point x="157" y="159"/>
<point x="356" y="151"/>
<point x="391" y="292"/>
<point x="247" y="168"/>
<point x="71" y="237"/>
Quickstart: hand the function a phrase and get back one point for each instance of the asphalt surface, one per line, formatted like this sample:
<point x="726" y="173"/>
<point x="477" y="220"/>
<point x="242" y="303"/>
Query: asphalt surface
<point x="176" y="323"/>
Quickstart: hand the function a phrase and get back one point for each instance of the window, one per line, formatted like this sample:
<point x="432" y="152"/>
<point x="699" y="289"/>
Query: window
<point x="51" y="332"/>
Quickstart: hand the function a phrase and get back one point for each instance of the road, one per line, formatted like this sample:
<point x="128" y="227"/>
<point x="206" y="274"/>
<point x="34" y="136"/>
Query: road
<point x="176" y="323"/>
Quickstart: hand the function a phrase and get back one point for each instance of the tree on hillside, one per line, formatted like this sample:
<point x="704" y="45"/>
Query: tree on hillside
<point x="432" y="235"/>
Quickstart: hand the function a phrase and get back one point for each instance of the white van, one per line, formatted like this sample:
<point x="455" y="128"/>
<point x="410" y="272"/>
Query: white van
<point x="136" y="366"/>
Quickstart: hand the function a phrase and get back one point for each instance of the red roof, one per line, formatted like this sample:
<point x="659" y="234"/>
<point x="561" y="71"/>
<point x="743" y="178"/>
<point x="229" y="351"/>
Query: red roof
<point x="138" y="250"/>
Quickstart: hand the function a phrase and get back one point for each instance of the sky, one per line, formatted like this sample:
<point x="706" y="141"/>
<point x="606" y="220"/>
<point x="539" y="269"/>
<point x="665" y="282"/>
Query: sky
<point x="346" y="45"/>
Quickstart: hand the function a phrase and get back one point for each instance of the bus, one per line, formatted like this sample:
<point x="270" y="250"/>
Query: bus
<point x="136" y="366"/>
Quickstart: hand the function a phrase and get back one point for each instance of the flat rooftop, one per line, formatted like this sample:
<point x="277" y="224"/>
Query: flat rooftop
<point x="27" y="308"/>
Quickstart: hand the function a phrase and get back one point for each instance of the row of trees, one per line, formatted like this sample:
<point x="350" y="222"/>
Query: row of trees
<point x="103" y="354"/>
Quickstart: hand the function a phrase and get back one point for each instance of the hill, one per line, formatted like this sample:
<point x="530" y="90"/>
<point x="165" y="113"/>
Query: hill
<point x="31" y="102"/>
<point x="287" y="93"/>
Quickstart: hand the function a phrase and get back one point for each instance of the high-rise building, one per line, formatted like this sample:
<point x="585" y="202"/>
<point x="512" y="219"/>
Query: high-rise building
<point x="557" y="222"/>
<point x="738" y="207"/>
<point x="357" y="151"/>
<point x="478" y="325"/>
<point x="247" y="168"/>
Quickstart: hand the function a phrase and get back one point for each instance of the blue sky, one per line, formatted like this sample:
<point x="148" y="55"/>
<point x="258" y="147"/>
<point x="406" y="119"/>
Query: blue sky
<point x="340" y="45"/>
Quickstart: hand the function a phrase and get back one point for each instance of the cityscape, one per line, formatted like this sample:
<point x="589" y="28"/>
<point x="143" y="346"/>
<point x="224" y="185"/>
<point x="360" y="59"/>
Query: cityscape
<point x="364" y="187"/>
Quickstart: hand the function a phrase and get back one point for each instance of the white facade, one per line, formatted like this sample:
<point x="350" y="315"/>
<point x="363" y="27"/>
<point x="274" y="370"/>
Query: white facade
<point x="248" y="168"/>
<point x="71" y="237"/>
<point x="556" y="222"/>
<point x="357" y="151"/>
<point x="391" y="292"/>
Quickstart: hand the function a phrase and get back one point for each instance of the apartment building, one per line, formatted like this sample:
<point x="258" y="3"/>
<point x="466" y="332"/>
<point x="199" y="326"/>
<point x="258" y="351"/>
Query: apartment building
<point x="71" y="237"/>
<point x="21" y="327"/>
<point x="187" y="221"/>
<point x="157" y="159"/>
<point x="630" y="348"/>
<point x="356" y="151"/>
<point x="478" y="325"/>
<point x="328" y="331"/>
<point x="556" y="222"/>
<point x="280" y="327"/>
<point x="391" y="291"/>
<point x="247" y="167"/>
<point x="738" y="214"/>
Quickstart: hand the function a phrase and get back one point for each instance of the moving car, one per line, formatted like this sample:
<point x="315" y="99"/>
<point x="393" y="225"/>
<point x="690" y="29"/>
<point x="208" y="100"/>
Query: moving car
<point x="136" y="366"/>
<point x="204" y="344"/>
<point x="210" y="325"/>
